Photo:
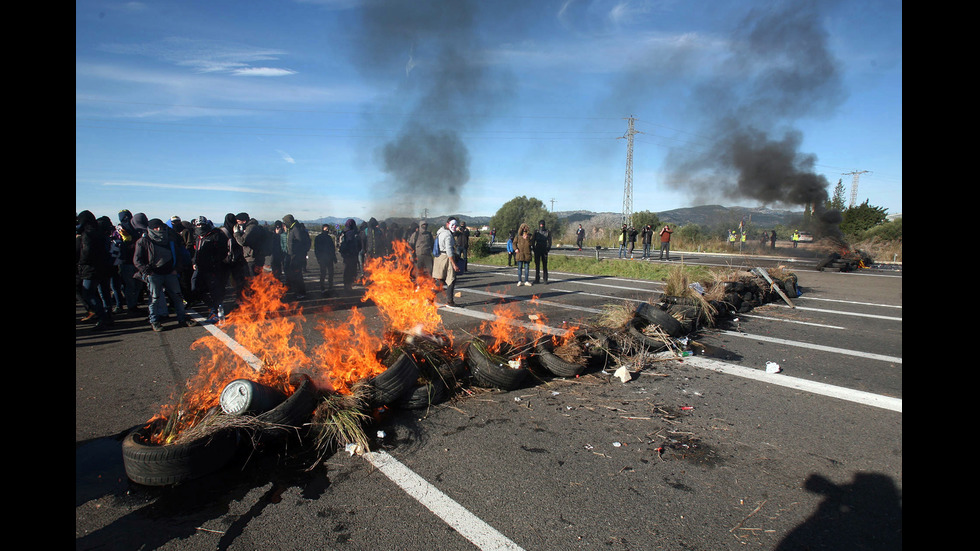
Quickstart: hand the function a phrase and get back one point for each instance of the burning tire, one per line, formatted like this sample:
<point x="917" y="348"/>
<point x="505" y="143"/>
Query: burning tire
<point x="557" y="366"/>
<point x="651" y="314"/>
<point x="493" y="373"/>
<point x="295" y="410"/>
<point x="156" y="465"/>
<point x="422" y="396"/>
<point x="391" y="384"/>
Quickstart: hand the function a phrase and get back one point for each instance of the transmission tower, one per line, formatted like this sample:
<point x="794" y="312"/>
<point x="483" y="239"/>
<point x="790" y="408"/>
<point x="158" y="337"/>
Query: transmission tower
<point x="854" y="186"/>
<point x="628" y="187"/>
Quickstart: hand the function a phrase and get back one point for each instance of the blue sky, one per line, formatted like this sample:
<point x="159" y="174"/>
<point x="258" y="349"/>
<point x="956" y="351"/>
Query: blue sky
<point x="381" y="108"/>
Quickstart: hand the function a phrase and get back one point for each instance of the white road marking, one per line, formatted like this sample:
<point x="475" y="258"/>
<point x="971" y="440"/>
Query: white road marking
<point x="452" y="513"/>
<point x="858" y="396"/>
<point x="858" y="353"/>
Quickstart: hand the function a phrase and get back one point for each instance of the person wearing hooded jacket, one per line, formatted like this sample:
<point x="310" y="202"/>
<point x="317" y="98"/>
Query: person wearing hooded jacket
<point x="541" y="246"/>
<point x="444" y="266"/>
<point x="158" y="258"/>
<point x="297" y="246"/>
<point x="421" y="241"/>
<point x="326" y="257"/>
<point x="253" y="240"/>
<point x="129" y="234"/>
<point x="350" y="250"/>
<point x="94" y="264"/>
<point x="210" y="270"/>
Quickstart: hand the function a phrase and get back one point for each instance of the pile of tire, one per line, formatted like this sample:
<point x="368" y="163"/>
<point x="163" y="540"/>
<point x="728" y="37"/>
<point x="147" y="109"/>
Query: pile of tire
<point x="152" y="464"/>
<point x="544" y="351"/>
<point x="647" y="314"/>
<point x="491" y="372"/>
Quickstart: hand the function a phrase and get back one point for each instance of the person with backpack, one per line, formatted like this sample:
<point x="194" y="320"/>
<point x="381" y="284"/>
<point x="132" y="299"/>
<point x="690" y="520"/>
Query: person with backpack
<point x="158" y="257"/>
<point x="541" y="247"/>
<point x="422" y="241"/>
<point x="326" y="257"/>
<point x="297" y="246"/>
<point x="350" y="250"/>
<point x="444" y="265"/>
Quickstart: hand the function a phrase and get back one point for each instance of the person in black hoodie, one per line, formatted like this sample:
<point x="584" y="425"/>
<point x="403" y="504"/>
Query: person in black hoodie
<point x="541" y="246"/>
<point x="350" y="250"/>
<point x="158" y="258"/>
<point x="132" y="286"/>
<point x="94" y="265"/>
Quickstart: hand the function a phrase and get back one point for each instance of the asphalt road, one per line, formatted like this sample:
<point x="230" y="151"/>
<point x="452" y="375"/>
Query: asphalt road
<point x="708" y="452"/>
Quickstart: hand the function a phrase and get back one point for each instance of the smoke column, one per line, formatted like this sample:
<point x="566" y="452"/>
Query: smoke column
<point x="779" y="71"/>
<point x="444" y="87"/>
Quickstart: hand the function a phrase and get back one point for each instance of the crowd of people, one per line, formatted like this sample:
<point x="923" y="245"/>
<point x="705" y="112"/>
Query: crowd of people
<point x="155" y="267"/>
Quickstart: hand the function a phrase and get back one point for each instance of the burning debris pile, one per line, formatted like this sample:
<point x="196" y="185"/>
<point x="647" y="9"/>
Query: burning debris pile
<point x="326" y="394"/>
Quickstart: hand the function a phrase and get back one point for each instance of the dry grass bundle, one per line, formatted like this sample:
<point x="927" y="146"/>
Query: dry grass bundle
<point x="571" y="352"/>
<point x="615" y="316"/>
<point x="216" y="421"/>
<point x="339" y="419"/>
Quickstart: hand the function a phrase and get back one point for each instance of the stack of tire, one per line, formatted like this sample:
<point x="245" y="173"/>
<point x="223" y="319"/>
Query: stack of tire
<point x="153" y="464"/>
<point x="647" y="314"/>
<point x="491" y="372"/>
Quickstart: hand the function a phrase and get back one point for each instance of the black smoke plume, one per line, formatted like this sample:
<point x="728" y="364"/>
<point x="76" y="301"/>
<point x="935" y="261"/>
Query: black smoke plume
<point x="431" y="49"/>
<point x="779" y="70"/>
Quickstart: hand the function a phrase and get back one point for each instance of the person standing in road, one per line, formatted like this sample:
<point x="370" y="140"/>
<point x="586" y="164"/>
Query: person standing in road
<point x="444" y="266"/>
<point x="158" y="258"/>
<point x="523" y="254"/>
<point x="326" y="257"/>
<point x="421" y="242"/>
<point x="772" y="240"/>
<point x="665" y="242"/>
<point x="510" y="248"/>
<point x="94" y="264"/>
<point x="632" y="240"/>
<point x="350" y="252"/>
<point x="579" y="236"/>
<point x="646" y="237"/>
<point x="253" y="240"/>
<point x="542" y="246"/>
<point x="297" y="246"/>
<point x="623" y="241"/>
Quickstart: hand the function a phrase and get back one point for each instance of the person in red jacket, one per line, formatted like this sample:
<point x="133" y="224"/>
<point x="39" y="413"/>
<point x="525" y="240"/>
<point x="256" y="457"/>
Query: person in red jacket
<point x="665" y="242"/>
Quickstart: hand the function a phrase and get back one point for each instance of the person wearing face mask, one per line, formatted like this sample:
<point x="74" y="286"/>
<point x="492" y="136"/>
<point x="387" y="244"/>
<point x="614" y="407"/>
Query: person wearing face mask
<point x="158" y="258"/>
<point x="444" y="265"/>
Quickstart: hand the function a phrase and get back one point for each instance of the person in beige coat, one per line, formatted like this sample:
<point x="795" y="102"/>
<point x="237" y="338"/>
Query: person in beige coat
<point x="523" y="255"/>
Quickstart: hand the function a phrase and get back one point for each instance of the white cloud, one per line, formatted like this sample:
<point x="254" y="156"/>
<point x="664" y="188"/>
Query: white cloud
<point x="286" y="157"/>
<point x="262" y="72"/>
<point x="261" y="190"/>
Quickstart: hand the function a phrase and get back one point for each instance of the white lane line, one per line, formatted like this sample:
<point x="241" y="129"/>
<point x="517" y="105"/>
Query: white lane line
<point x="858" y="396"/>
<point x="853" y="302"/>
<point x="858" y="353"/>
<point x="251" y="359"/>
<point x="824" y="325"/>
<point x="530" y="299"/>
<point x="488" y="316"/>
<point x="842" y="313"/>
<point x="452" y="513"/>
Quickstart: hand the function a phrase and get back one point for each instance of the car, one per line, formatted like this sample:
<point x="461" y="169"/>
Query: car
<point x="806" y="237"/>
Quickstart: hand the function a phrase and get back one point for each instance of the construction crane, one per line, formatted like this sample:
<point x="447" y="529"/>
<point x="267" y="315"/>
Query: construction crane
<point x="854" y="185"/>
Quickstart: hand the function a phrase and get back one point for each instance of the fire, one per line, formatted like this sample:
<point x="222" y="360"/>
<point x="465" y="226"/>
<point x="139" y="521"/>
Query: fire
<point x="503" y="329"/>
<point x="272" y="331"/>
<point x="405" y="299"/>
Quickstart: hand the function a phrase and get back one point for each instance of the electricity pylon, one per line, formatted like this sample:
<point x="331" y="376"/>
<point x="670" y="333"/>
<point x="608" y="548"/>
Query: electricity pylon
<point x="854" y="186"/>
<point x="628" y="187"/>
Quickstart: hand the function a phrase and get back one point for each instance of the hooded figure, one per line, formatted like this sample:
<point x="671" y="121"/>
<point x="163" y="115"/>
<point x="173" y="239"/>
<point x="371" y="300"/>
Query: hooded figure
<point x="297" y="245"/>
<point x="253" y="240"/>
<point x="421" y="241"/>
<point x="350" y="248"/>
<point x="542" y="244"/>
<point x="94" y="265"/>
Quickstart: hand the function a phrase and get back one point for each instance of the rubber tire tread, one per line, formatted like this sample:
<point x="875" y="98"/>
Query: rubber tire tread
<point x="392" y="383"/>
<point x="297" y="408"/>
<point x="155" y="465"/>
<point x="557" y="366"/>
<point x="422" y="396"/>
<point x="653" y="345"/>
<point x="486" y="373"/>
<point x="667" y="322"/>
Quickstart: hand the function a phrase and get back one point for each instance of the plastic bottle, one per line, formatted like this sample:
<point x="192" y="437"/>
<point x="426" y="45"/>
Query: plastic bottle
<point x="221" y="313"/>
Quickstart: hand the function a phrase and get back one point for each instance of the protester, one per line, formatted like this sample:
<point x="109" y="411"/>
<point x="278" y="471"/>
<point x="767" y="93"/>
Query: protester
<point x="421" y="243"/>
<point x="646" y="237"/>
<point x="444" y="265"/>
<point x="254" y="242"/>
<point x="523" y="254"/>
<point x="297" y="246"/>
<point x="350" y="250"/>
<point x="541" y="246"/>
<point x="326" y="257"/>
<point x="94" y="266"/>
<point x="157" y="259"/>
<point x="132" y="287"/>
<point x="510" y="248"/>
<point x="579" y="236"/>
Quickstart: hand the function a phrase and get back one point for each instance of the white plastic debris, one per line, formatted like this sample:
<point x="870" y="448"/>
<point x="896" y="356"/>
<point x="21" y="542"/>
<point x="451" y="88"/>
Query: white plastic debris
<point x="555" y="393"/>
<point x="517" y="398"/>
<point x="381" y="434"/>
<point x="697" y="287"/>
<point x="515" y="364"/>
<point x="352" y="449"/>
<point x="773" y="367"/>
<point x="616" y="444"/>
<point x="623" y="374"/>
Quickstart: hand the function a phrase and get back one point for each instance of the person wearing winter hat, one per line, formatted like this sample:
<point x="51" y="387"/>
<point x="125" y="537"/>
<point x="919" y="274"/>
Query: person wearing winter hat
<point x="254" y="242"/>
<point x="130" y="234"/>
<point x="158" y="258"/>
